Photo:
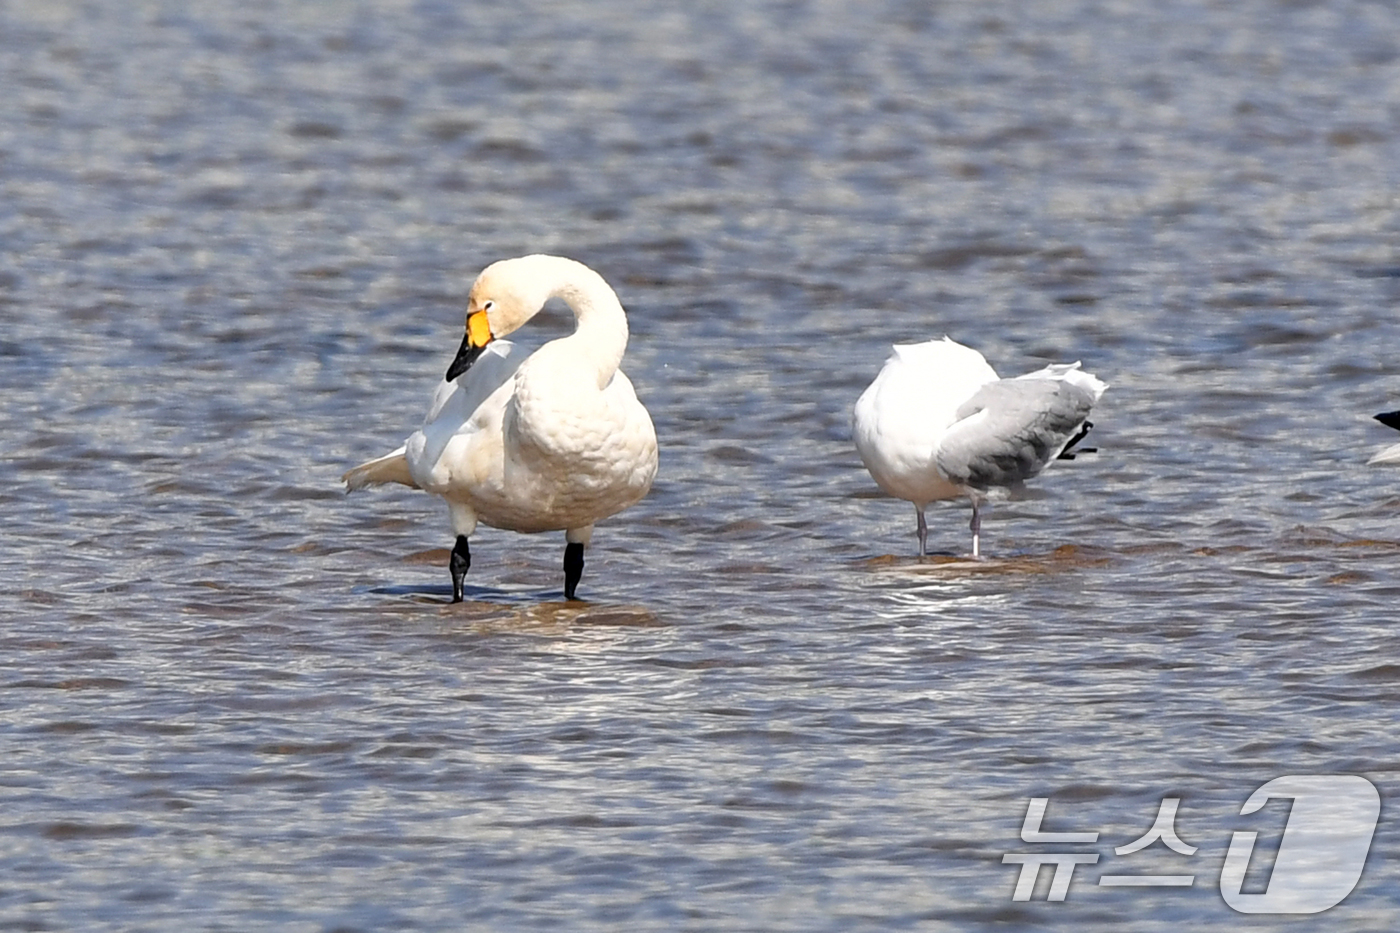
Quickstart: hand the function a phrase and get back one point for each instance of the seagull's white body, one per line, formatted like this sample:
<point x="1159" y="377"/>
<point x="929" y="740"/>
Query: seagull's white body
<point x="937" y="423"/>
<point x="552" y="441"/>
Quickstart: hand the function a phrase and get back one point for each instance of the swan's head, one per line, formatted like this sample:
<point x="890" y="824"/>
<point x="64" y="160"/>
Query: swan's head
<point x="505" y="295"/>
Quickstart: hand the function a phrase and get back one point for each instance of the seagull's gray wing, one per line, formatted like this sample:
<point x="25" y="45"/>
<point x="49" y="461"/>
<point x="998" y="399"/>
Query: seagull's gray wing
<point x="1010" y="429"/>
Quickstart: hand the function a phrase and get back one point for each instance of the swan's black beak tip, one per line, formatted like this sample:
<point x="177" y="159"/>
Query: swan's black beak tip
<point x="478" y="336"/>
<point x="466" y="356"/>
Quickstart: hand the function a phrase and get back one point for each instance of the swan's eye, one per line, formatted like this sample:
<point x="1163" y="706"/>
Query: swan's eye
<point x="488" y="306"/>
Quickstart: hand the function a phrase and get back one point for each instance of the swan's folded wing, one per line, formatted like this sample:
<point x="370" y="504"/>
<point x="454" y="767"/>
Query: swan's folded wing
<point x="462" y="396"/>
<point x="390" y="468"/>
<point x="454" y="404"/>
<point x="1010" y="429"/>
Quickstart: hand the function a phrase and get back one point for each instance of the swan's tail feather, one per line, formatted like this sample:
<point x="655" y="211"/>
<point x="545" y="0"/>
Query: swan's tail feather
<point x="1389" y="457"/>
<point x="390" y="468"/>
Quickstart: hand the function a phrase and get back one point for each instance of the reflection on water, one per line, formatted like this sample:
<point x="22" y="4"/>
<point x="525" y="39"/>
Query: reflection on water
<point x="1064" y="558"/>
<point x="485" y="610"/>
<point x="237" y="242"/>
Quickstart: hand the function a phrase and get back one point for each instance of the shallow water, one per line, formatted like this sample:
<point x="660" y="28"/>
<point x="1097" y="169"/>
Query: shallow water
<point x="237" y="241"/>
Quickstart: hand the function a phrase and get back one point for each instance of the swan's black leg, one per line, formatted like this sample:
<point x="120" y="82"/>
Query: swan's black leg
<point x="573" y="568"/>
<point x="461" y="562"/>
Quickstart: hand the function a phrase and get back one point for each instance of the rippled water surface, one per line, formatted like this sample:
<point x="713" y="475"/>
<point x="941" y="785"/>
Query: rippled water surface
<point x="237" y="239"/>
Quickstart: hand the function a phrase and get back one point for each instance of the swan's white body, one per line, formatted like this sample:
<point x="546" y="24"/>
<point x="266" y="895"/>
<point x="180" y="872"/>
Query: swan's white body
<point x="937" y="423"/>
<point x="555" y="441"/>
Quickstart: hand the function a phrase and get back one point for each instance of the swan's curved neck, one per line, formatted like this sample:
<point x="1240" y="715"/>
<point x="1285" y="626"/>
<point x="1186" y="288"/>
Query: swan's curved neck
<point x="601" y="335"/>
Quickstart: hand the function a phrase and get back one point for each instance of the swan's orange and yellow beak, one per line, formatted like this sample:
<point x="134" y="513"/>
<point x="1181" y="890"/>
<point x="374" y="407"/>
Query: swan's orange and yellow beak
<point x="478" y="336"/>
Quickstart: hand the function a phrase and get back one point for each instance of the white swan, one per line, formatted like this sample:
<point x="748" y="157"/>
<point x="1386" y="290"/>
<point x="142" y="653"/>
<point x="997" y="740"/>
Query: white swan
<point x="552" y="442"/>
<point x="937" y="423"/>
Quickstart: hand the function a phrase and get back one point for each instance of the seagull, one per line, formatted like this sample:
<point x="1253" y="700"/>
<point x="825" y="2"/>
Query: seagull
<point x="937" y="423"/>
